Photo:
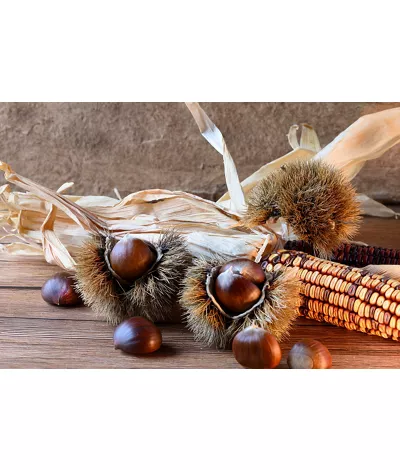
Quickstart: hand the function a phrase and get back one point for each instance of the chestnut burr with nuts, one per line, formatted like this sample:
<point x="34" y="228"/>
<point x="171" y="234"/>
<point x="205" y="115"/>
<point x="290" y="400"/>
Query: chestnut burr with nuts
<point x="221" y="297"/>
<point x="255" y="348"/>
<point x="309" y="354"/>
<point x="238" y="285"/>
<point x="60" y="290"/>
<point x="131" y="276"/>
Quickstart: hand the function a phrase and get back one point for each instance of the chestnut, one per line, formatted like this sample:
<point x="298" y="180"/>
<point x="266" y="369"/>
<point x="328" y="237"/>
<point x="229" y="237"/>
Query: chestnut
<point x="137" y="335"/>
<point x="238" y="285"/>
<point x="60" y="290"/>
<point x="246" y="268"/>
<point x="309" y="354"/>
<point x="131" y="258"/>
<point x="255" y="348"/>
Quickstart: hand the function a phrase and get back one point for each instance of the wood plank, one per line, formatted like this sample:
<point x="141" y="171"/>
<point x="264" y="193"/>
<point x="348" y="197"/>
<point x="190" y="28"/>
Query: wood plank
<point x="45" y="343"/>
<point x="31" y="271"/>
<point x="28" y="303"/>
<point x="85" y="344"/>
<point x="380" y="232"/>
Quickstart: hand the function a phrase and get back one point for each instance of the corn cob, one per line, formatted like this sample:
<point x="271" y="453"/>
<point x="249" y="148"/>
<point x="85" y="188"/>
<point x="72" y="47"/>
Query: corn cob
<point x="352" y="254"/>
<point x="342" y="295"/>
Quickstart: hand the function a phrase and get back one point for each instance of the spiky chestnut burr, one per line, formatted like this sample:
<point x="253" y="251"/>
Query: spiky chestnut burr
<point x="314" y="199"/>
<point x="214" y="322"/>
<point x="115" y="289"/>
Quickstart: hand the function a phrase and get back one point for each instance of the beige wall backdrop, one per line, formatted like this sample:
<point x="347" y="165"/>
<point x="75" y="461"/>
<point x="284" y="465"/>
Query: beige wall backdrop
<point x="135" y="146"/>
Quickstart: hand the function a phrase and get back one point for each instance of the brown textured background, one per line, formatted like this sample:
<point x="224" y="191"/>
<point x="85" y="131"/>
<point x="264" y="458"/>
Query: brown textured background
<point x="136" y="146"/>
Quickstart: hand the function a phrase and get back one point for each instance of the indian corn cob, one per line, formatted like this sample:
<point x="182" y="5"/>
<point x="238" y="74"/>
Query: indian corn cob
<point x="352" y="254"/>
<point x="342" y="295"/>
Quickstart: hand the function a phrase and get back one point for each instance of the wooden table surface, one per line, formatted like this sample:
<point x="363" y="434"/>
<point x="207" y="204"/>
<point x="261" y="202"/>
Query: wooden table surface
<point x="34" y="334"/>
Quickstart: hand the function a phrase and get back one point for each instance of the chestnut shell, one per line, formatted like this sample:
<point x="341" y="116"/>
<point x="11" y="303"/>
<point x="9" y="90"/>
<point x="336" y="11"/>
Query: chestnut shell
<point x="60" y="290"/>
<point x="247" y="268"/>
<point x="137" y="335"/>
<point x="255" y="348"/>
<point x="235" y="293"/>
<point x="232" y="289"/>
<point x="131" y="258"/>
<point x="309" y="354"/>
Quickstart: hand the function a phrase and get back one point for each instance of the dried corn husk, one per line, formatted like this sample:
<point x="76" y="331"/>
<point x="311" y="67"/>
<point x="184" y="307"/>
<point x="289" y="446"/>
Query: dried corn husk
<point x="59" y="224"/>
<point x="374" y="208"/>
<point x="42" y="221"/>
<point x="214" y="137"/>
<point x="368" y="138"/>
<point x="308" y="147"/>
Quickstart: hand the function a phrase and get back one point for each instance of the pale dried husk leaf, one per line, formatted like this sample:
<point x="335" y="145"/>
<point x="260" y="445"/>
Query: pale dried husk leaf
<point x="368" y="138"/>
<point x="60" y="224"/>
<point x="214" y="137"/>
<point x="370" y="207"/>
<point x="84" y="218"/>
<point x="391" y="271"/>
<point x="54" y="250"/>
<point x="21" y="249"/>
<point x="308" y="147"/>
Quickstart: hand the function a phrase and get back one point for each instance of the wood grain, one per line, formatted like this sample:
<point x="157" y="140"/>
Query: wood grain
<point x="34" y="334"/>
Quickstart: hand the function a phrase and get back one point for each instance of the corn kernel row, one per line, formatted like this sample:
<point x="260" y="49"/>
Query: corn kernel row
<point x="341" y="295"/>
<point x="352" y="254"/>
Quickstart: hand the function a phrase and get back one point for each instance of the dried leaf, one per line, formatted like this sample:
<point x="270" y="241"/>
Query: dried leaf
<point x="21" y="249"/>
<point x="309" y="138"/>
<point x="45" y="220"/>
<point x="368" y="138"/>
<point x="374" y="208"/>
<point x="311" y="144"/>
<point x="214" y="137"/>
<point x="292" y="137"/>
<point x="391" y="271"/>
<point x="236" y="246"/>
<point x="84" y="218"/>
<point x="54" y="251"/>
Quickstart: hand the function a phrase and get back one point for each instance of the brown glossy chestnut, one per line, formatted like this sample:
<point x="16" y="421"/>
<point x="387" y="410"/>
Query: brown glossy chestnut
<point x="60" y="290"/>
<point x="246" y="268"/>
<point x="238" y="285"/>
<point x="131" y="258"/>
<point x="137" y="335"/>
<point x="309" y="354"/>
<point x="255" y="348"/>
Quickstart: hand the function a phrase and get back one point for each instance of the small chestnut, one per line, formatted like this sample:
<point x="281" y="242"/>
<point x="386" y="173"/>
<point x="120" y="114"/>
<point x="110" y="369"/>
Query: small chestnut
<point x="309" y="354"/>
<point x="137" y="335"/>
<point x="255" y="348"/>
<point x="59" y="290"/>
<point x="131" y="258"/>
<point x="238" y="285"/>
